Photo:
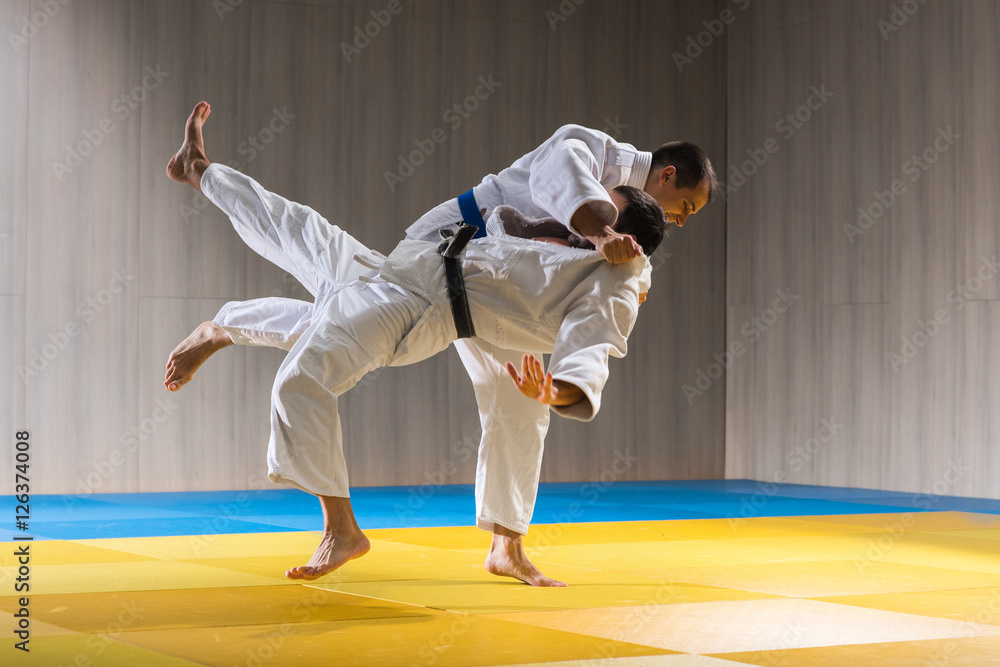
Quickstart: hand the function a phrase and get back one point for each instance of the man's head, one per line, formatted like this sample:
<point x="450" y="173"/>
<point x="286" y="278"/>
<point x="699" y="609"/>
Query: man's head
<point x="681" y="180"/>
<point x="641" y="216"/>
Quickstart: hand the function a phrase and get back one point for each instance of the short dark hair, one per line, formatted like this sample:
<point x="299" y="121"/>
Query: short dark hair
<point x="692" y="165"/>
<point x="642" y="218"/>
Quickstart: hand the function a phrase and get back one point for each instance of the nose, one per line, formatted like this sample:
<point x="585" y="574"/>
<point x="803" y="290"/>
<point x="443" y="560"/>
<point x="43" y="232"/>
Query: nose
<point x="680" y="219"/>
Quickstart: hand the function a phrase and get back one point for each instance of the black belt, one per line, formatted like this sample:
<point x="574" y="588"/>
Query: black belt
<point x="451" y="248"/>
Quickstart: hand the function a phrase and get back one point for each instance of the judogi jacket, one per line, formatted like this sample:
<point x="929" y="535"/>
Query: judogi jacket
<point x="528" y="295"/>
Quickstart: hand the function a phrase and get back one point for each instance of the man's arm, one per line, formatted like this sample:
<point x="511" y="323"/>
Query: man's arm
<point x="566" y="180"/>
<point x="616" y="248"/>
<point x="539" y="386"/>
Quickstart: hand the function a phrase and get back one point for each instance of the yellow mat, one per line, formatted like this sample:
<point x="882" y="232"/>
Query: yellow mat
<point x="849" y="590"/>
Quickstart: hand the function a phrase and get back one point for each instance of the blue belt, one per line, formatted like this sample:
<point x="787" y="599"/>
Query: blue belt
<point x="470" y="212"/>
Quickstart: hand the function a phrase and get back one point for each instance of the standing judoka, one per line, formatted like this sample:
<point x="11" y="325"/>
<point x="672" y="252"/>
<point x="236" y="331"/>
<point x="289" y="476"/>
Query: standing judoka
<point x="569" y="178"/>
<point x="523" y="294"/>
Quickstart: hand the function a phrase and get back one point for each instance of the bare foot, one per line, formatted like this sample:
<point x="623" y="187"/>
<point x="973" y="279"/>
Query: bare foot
<point x="507" y="559"/>
<point x="332" y="552"/>
<point x="193" y="351"/>
<point x="190" y="162"/>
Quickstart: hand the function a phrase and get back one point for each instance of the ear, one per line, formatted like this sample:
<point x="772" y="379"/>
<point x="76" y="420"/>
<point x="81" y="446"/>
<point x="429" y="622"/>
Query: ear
<point x="667" y="173"/>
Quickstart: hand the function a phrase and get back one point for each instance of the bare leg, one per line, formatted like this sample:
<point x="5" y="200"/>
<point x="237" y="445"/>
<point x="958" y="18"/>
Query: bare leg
<point x="190" y="162"/>
<point x="192" y="352"/>
<point x="342" y="540"/>
<point x="507" y="559"/>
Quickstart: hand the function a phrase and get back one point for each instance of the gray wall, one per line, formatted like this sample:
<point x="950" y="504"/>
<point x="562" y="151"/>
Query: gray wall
<point x="105" y="264"/>
<point x="891" y="335"/>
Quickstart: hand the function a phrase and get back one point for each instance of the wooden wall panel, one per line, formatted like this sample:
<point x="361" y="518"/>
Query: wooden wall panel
<point x="355" y="114"/>
<point x="188" y="248"/>
<point x="14" y="144"/>
<point x="82" y="237"/>
<point x="194" y="439"/>
<point x="13" y="219"/>
<point x="975" y="465"/>
<point x="883" y="342"/>
<point x="12" y="411"/>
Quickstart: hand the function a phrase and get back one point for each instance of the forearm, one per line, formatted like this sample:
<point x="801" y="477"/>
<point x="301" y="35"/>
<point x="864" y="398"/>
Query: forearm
<point x="590" y="224"/>
<point x="596" y="228"/>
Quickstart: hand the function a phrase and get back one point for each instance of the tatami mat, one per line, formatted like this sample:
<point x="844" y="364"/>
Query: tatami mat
<point x="901" y="587"/>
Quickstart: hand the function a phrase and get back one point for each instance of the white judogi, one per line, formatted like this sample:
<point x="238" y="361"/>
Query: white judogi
<point x="573" y="167"/>
<point x="523" y="294"/>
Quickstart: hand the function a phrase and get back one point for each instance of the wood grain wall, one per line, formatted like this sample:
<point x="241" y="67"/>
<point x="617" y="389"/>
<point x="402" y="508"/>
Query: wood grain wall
<point x="884" y="371"/>
<point x="105" y="264"/>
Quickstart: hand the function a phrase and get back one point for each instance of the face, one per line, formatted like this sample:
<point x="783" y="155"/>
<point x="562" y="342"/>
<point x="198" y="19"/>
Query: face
<point x="677" y="204"/>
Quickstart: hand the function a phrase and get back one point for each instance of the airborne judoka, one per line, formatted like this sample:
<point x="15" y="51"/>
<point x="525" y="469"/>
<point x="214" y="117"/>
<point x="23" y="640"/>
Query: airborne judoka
<point x="521" y="294"/>
<point x="567" y="178"/>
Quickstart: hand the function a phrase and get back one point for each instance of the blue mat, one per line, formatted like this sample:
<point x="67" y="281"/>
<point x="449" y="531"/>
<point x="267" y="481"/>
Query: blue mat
<point x="69" y="517"/>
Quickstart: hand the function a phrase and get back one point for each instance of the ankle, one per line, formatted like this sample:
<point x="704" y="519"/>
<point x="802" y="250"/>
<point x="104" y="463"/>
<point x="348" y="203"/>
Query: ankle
<point x="197" y="170"/>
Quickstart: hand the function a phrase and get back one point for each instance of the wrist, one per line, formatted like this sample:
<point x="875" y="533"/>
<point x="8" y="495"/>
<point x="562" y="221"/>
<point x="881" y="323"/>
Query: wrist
<point x="564" y="394"/>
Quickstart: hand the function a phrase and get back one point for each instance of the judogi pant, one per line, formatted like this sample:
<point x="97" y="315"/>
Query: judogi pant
<point x="320" y="256"/>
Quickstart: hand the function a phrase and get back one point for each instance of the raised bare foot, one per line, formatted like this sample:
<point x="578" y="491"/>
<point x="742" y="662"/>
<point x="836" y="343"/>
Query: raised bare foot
<point x="332" y="552"/>
<point x="507" y="559"/>
<point x="190" y="162"/>
<point x="193" y="351"/>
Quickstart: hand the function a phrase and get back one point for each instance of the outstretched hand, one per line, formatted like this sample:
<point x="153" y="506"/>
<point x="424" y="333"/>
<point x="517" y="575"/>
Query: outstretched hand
<point x="531" y="381"/>
<point x="538" y="385"/>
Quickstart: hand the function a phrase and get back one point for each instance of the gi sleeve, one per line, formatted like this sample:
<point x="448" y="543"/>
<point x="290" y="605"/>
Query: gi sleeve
<point x="567" y="173"/>
<point x="593" y="330"/>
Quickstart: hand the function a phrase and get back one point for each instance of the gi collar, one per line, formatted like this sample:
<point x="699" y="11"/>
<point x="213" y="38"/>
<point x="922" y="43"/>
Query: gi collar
<point x="640" y="170"/>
